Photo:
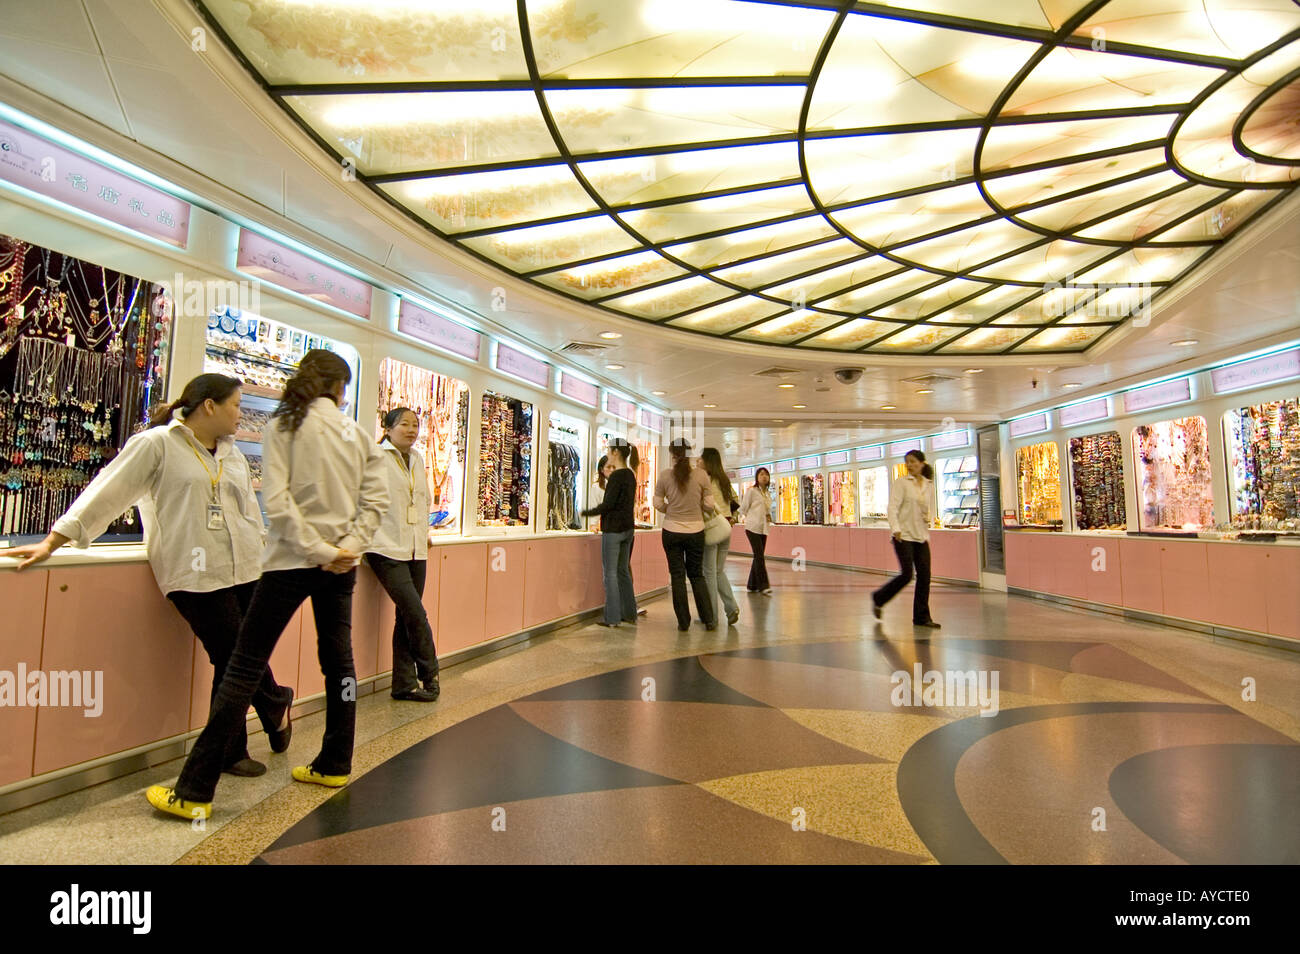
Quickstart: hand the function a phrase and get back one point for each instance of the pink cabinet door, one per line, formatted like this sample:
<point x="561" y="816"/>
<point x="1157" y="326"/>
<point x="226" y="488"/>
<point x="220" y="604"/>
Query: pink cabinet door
<point x="1238" y="585"/>
<point x="1185" y="575"/>
<point x="23" y="597"/>
<point x="463" y="595"/>
<point x="506" y="564"/>
<point x="1282" y="591"/>
<point x="1103" y="580"/>
<point x="1016" y="551"/>
<point x="1140" y="575"/>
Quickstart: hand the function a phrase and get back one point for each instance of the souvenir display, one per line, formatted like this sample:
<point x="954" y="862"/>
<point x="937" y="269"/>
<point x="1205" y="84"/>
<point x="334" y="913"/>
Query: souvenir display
<point x="564" y="473"/>
<point x="814" y="499"/>
<point x="873" y="492"/>
<point x="957" y="486"/>
<point x="1097" y="477"/>
<point x="505" y="464"/>
<point x="442" y="405"/>
<point x="787" y="499"/>
<point x="647" y="472"/>
<point x="843" y="510"/>
<point x="264" y="354"/>
<point x="1172" y="459"/>
<point x="1263" y="445"/>
<point x="83" y="356"/>
<point x="1038" y="484"/>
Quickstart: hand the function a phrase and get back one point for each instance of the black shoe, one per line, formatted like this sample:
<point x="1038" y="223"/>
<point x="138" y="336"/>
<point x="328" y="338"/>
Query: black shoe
<point x="245" y="768"/>
<point x="433" y="687"/>
<point x="601" y="622"/>
<point x="682" y="629"/>
<point x="631" y="622"/>
<point x="711" y="627"/>
<point x="928" y="624"/>
<point x="279" y="738"/>
<point x="416" y="695"/>
<point x="875" y="608"/>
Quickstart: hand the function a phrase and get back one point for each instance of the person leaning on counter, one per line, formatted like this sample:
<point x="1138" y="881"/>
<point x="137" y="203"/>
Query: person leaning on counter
<point x="325" y="492"/>
<point x="202" y="532"/>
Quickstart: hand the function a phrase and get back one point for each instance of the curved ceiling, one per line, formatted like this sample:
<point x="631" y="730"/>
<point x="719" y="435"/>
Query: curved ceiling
<point x="840" y="177"/>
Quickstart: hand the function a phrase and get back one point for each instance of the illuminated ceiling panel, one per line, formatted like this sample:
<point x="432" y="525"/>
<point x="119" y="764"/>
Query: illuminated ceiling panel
<point x="928" y="176"/>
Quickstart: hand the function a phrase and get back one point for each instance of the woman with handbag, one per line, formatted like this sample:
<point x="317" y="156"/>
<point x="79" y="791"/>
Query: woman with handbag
<point x="756" y="514"/>
<point x="717" y="537"/>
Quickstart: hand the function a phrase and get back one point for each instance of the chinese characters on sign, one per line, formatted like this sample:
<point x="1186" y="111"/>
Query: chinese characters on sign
<point x="436" y="330"/>
<point x="280" y="265"/>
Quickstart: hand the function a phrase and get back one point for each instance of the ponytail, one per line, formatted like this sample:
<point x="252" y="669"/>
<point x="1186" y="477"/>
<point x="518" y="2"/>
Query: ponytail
<point x="218" y="387"/>
<point x="681" y="465"/>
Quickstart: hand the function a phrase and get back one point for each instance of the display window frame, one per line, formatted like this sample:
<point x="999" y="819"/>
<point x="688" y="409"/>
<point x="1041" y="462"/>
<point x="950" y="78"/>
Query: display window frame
<point x="847" y="477"/>
<point x="1059" y="522"/>
<point x="1072" y="488"/>
<point x="1140" y="476"/>
<point x="968" y="469"/>
<point x="456" y="528"/>
<point x="482" y="528"/>
<point x="790" y="483"/>
<point x="863" y="515"/>
<point x="648" y="448"/>
<point x="817" y="482"/>
<point x="584" y="477"/>
<point x="1250" y="520"/>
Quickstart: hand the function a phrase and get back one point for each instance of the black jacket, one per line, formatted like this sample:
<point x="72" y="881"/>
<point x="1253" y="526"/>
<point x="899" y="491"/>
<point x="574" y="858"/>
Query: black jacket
<point x="617" y="511"/>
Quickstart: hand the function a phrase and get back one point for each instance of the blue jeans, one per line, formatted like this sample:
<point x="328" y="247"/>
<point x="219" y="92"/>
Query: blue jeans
<point x="616" y="559"/>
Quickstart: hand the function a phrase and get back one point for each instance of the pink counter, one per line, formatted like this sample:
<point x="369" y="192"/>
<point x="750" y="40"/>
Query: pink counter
<point x="157" y="678"/>
<point x="954" y="554"/>
<point x="1241" y="586"/>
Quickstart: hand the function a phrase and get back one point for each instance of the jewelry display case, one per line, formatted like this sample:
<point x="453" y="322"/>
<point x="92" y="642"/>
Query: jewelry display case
<point x="957" y="485"/>
<point x="1172" y="461"/>
<point x="1263" y="453"/>
<point x="842" y="507"/>
<point x="1097" y="482"/>
<point x="873" y="492"/>
<point x="505" y="466"/>
<point x="566" y="472"/>
<point x="1038" y="485"/>
<point x="787" y="499"/>
<point x="814" y="499"/>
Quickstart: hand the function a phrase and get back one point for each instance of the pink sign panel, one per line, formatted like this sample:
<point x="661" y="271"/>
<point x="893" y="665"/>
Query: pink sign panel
<point x="1257" y="371"/>
<point x="620" y="407"/>
<point x="38" y="165"/>
<point x="899" y="448"/>
<point x="275" y="263"/>
<point x="1084" y="412"/>
<point x="746" y="473"/>
<point x="438" y="331"/>
<point x="1033" y="424"/>
<point x="578" y="389"/>
<point x="812" y="460"/>
<point x="875" y="452"/>
<point x="522" y="366"/>
<point x="1158" y="395"/>
<point x="652" y="420"/>
<point x="950" y="439"/>
<point x="838" y="457"/>
<point x="784" y="467"/>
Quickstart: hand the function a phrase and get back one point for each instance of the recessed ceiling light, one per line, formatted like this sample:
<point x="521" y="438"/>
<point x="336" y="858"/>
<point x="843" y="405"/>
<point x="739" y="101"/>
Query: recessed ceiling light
<point x="710" y="405"/>
<point x="785" y="385"/>
<point x="778" y="420"/>
<point x="973" y="371"/>
<point x="613" y="367"/>
<point x="798" y="407"/>
<point x="611" y="335"/>
<point x="1072" y="384"/>
<point x="925" y="390"/>
<point x="1184" y="343"/>
<point x="888" y="407"/>
<point x="658" y="393"/>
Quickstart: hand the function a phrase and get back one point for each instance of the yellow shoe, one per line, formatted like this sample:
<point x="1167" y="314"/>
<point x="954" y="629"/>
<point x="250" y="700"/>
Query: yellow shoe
<point x="305" y="773"/>
<point x="166" y="800"/>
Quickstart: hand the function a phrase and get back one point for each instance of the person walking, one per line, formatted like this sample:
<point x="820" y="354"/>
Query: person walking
<point x="682" y="494"/>
<point x="909" y="520"/>
<point x="756" y="514"/>
<point x="202" y="534"/>
<point x="399" y="554"/>
<point x="616" y="511"/>
<point x="325" y="491"/>
<point x="717" y="537"/>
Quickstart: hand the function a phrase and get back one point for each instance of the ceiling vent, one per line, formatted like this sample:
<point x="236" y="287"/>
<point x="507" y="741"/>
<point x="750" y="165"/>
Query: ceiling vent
<point x="777" y="372"/>
<point x="928" y="380"/>
<point x="584" y="347"/>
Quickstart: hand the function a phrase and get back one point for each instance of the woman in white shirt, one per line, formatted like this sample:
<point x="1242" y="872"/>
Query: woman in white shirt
<point x="399" y="557"/>
<point x="325" y="491"/>
<point x="756" y="513"/>
<point x="909" y="520"/>
<point x="202" y="532"/>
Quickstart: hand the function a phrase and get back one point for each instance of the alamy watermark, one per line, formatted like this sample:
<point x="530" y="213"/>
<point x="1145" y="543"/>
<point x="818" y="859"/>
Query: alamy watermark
<point x="77" y="689"/>
<point x="933" y="688"/>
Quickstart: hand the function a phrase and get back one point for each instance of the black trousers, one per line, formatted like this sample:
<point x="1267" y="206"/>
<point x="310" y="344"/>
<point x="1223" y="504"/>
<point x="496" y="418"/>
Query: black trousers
<point x="910" y="554"/>
<point x="685" y="552"/>
<point x="215" y="618"/>
<point x="758" y="569"/>
<point x="415" y="659"/>
<point x="278" y="595"/>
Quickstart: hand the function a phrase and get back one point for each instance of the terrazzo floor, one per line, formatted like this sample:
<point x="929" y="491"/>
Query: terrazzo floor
<point x="784" y="739"/>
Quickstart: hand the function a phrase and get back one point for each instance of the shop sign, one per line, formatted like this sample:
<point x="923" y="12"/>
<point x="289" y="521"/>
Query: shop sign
<point x="899" y="448"/>
<point x="620" y="407"/>
<point x="280" y="265"/>
<point x="1085" y="412"/>
<point x="950" y="439"/>
<point x="581" y="391"/>
<point x="523" y="366"/>
<point x="1257" y="371"/>
<point x="836" y="458"/>
<point x="1158" y="395"/>
<point x="746" y="473"/>
<point x="874" y="452"/>
<point x="809" y="462"/>
<point x="652" y="420"/>
<point x="436" y="330"/>
<point x="38" y="165"/>
<point x="784" y="467"/>
<point x="1033" y="424"/>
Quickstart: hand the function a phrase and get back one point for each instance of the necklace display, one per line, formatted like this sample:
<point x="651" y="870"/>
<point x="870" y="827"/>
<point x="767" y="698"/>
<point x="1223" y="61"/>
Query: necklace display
<point x="505" y="461"/>
<point x="814" y="499"/>
<point x="1097" y="472"/>
<point x="1038" y="481"/>
<point x="1264" y="464"/>
<point x="1173" y="466"/>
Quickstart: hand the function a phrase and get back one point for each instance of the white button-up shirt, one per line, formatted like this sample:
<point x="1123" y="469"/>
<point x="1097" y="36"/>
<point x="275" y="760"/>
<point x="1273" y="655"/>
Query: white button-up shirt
<point x="398" y="537"/>
<point x="168" y="474"/>
<point x="909" y="509"/>
<point x="324" y="488"/>
<point x="756" y="510"/>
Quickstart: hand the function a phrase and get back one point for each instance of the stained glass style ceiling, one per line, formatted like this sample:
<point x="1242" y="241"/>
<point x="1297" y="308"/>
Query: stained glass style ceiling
<point x="941" y="177"/>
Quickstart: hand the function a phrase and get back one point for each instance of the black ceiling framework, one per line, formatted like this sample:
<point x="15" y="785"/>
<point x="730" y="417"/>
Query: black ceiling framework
<point x="830" y="318"/>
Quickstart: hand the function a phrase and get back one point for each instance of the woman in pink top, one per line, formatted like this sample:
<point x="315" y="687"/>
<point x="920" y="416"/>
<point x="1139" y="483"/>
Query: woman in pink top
<point x="683" y="495"/>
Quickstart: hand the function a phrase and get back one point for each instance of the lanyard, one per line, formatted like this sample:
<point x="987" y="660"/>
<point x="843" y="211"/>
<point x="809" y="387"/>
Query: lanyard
<point x="221" y="466"/>
<point x="410" y="474"/>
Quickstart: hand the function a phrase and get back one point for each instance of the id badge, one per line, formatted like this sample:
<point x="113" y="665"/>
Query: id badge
<point x="410" y="515"/>
<point x="216" y="518"/>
